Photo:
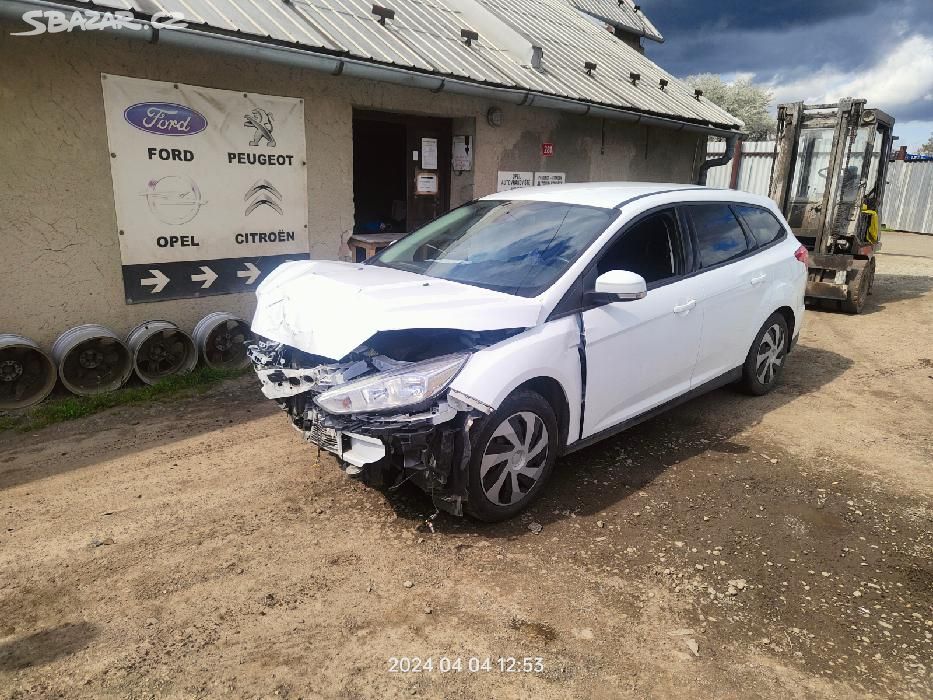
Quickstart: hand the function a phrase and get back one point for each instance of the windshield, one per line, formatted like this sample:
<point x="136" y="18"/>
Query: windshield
<point x="518" y="247"/>
<point x="813" y="154"/>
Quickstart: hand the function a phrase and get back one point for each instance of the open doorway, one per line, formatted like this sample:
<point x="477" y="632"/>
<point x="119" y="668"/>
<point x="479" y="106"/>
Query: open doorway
<point x="401" y="172"/>
<point x="380" y="195"/>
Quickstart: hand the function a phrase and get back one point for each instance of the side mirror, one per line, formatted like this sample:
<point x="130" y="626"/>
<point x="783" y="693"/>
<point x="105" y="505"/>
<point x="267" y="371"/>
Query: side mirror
<point x="620" y="285"/>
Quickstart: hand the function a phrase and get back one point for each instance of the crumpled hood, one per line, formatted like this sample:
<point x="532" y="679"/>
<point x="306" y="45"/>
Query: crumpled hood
<point x="331" y="308"/>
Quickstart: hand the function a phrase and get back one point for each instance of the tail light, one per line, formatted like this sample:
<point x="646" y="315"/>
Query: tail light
<point x="803" y="255"/>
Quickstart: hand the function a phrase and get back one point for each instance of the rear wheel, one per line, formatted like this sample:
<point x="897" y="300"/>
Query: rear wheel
<point x="513" y="454"/>
<point x="859" y="289"/>
<point x="765" y="360"/>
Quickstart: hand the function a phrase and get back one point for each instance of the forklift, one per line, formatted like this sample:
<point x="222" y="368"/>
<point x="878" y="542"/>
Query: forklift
<point x="828" y="179"/>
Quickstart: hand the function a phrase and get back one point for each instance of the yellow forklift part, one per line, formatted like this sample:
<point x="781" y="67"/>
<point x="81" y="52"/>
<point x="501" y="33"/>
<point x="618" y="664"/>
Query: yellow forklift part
<point x="871" y="234"/>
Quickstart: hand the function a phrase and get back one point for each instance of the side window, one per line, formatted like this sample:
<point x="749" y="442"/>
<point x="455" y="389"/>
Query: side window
<point x="719" y="235"/>
<point x="652" y="248"/>
<point x="761" y="222"/>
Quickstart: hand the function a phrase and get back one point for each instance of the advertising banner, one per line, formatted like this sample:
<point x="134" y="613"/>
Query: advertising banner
<point x="549" y="179"/>
<point x="210" y="186"/>
<point x="512" y="180"/>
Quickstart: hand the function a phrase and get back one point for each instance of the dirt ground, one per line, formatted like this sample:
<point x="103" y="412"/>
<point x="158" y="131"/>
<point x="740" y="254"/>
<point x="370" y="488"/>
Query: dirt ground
<point x="735" y="547"/>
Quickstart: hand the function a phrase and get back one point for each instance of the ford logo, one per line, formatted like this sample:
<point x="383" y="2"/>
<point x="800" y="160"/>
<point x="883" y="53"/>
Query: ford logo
<point x="165" y="118"/>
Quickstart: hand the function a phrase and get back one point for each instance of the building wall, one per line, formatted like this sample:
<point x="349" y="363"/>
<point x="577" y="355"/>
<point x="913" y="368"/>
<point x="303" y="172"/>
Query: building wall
<point x="61" y="260"/>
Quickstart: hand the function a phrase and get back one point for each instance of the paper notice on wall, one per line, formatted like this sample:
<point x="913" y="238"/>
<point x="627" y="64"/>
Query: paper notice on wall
<point x="429" y="154"/>
<point x="462" y="154"/>
<point x="550" y="179"/>
<point x="210" y="186"/>
<point x="426" y="183"/>
<point x="512" y="180"/>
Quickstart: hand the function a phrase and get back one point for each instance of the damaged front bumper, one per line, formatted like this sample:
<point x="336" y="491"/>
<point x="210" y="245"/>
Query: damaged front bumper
<point x="429" y="446"/>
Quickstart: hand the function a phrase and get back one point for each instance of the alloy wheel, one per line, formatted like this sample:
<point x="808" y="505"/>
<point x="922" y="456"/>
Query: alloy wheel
<point x="514" y="458"/>
<point x="770" y="354"/>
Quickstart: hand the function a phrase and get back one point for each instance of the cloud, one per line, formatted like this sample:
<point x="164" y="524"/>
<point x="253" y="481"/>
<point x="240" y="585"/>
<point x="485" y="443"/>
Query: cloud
<point x="900" y="82"/>
<point x="811" y="50"/>
<point x="690" y="15"/>
<point x="813" y="47"/>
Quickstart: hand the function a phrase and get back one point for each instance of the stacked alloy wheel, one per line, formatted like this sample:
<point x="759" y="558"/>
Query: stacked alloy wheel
<point x="91" y="359"/>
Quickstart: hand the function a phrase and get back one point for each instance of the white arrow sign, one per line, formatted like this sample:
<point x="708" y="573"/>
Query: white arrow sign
<point x="251" y="273"/>
<point x="207" y="278"/>
<point x="157" y="281"/>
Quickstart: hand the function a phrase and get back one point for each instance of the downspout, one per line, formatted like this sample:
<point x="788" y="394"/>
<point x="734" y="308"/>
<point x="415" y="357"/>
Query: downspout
<point x="731" y="140"/>
<point x="238" y="47"/>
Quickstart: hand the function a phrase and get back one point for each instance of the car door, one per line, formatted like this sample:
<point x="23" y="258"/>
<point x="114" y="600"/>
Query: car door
<point x="641" y="353"/>
<point x="731" y="292"/>
<point x="771" y="257"/>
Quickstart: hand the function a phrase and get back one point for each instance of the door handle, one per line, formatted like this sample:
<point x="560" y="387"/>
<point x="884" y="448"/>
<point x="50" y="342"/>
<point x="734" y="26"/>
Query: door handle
<point x="759" y="279"/>
<point x="684" y="308"/>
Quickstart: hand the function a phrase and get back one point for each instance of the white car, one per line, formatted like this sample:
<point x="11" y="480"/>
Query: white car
<point x="471" y="354"/>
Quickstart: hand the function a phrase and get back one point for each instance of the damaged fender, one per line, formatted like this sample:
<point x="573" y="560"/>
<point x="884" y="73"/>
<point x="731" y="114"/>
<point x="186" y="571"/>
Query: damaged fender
<point x="489" y="376"/>
<point x="427" y="443"/>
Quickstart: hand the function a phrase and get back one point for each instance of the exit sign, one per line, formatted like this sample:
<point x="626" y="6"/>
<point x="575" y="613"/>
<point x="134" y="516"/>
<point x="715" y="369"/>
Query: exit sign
<point x="547" y="149"/>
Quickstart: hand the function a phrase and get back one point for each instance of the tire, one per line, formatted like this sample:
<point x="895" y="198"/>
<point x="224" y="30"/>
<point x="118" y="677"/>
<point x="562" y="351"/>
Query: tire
<point x="859" y="290"/>
<point x="503" y="479"/>
<point x="765" y="360"/>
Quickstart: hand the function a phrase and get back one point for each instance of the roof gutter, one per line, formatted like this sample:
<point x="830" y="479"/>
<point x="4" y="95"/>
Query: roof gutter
<point x="239" y="47"/>
<point x="731" y="141"/>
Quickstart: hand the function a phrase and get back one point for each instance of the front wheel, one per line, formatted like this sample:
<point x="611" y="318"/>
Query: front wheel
<point x="765" y="360"/>
<point x="513" y="454"/>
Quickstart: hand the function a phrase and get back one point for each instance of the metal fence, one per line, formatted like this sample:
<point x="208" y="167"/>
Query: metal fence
<point x="751" y="170"/>
<point x="908" y="199"/>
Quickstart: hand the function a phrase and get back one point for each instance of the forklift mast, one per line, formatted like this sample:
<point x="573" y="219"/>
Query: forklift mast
<point x="828" y="179"/>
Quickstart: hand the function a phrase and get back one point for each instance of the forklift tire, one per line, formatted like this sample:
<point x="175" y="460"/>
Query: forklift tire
<point x="858" y="289"/>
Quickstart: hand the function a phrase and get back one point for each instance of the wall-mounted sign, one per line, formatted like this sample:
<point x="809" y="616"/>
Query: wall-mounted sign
<point x="550" y="179"/>
<point x="210" y="186"/>
<point x="426" y="183"/>
<point x="429" y="154"/>
<point x="462" y="153"/>
<point x="511" y="180"/>
<point x="547" y="149"/>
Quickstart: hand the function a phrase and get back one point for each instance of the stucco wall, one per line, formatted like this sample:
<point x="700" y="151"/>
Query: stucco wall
<point x="61" y="258"/>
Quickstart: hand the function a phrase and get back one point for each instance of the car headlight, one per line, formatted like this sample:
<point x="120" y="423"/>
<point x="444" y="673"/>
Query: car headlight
<point x="397" y="388"/>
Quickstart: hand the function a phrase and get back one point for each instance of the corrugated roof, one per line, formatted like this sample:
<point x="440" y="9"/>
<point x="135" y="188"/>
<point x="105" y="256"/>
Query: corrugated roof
<point x="621" y="14"/>
<point x="425" y="37"/>
<point x="570" y="41"/>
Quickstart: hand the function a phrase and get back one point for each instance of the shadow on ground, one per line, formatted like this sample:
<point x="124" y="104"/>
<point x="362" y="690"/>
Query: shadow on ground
<point x="128" y="429"/>
<point x="44" y="647"/>
<point x="598" y="477"/>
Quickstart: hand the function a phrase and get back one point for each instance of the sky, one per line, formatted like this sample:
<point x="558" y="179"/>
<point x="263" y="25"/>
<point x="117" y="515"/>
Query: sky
<point x="811" y="50"/>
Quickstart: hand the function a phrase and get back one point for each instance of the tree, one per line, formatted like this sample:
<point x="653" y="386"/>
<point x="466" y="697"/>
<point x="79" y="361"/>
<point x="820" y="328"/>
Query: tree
<point x="741" y="98"/>
<point x="927" y="148"/>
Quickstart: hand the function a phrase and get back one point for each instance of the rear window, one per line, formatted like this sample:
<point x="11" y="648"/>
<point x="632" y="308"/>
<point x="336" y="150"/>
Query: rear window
<point x="719" y="235"/>
<point x="762" y="223"/>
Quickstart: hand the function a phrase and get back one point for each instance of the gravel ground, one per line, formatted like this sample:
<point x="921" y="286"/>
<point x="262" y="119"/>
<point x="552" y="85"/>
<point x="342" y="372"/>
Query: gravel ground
<point x="734" y="547"/>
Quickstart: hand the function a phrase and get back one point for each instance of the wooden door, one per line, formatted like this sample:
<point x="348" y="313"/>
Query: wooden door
<point x="428" y="187"/>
